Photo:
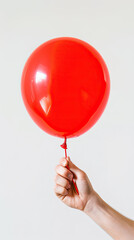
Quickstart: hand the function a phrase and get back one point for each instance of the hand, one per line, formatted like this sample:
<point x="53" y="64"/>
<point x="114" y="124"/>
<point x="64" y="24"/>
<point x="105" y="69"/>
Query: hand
<point x="116" y="225"/>
<point x="64" y="187"/>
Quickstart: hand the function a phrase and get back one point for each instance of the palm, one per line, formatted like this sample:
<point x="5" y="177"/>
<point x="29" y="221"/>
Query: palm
<point x="73" y="199"/>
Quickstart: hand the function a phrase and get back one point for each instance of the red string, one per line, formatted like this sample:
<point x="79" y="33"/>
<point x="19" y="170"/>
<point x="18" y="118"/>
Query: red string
<point x="64" y="145"/>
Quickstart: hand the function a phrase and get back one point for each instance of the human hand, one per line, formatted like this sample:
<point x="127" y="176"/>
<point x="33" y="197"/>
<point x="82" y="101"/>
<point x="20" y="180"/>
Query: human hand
<point x="115" y="224"/>
<point x="64" y="188"/>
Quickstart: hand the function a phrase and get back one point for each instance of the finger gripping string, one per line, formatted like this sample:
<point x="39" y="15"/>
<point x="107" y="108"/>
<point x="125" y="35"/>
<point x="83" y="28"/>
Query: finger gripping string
<point x="64" y="146"/>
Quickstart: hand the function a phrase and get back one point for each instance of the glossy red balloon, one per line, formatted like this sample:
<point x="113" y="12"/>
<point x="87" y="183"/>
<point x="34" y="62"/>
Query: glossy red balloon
<point x="65" y="86"/>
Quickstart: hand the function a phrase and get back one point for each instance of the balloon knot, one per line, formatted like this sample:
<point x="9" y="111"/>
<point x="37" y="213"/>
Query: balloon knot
<point x="64" y="145"/>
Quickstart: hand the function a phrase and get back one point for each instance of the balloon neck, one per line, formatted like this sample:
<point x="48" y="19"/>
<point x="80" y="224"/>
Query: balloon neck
<point x="64" y="145"/>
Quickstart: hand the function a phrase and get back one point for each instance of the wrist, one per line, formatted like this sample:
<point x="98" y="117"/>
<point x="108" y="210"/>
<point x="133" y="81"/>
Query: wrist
<point x="92" y="203"/>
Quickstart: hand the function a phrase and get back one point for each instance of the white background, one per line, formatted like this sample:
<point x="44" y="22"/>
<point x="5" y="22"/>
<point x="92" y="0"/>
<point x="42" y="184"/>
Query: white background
<point x="29" y="209"/>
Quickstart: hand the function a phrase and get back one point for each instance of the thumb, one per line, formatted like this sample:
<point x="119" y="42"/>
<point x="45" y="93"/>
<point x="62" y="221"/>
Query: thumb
<point x="73" y="168"/>
<point x="71" y="165"/>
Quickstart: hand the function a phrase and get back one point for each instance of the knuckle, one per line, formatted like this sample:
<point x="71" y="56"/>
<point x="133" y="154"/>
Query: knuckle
<point x="63" y="163"/>
<point x="65" y="173"/>
<point x="62" y="181"/>
<point x="64" y="191"/>
<point x="57" y="168"/>
<point x="69" y="175"/>
<point x="82" y="174"/>
<point x="67" y="184"/>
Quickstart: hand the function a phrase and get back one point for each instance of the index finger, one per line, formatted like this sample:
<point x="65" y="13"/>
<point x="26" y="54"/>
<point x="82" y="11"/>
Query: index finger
<point x="63" y="161"/>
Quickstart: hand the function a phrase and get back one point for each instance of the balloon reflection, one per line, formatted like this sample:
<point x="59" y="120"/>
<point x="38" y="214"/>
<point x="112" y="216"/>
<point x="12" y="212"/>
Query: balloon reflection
<point x="45" y="103"/>
<point x="40" y="76"/>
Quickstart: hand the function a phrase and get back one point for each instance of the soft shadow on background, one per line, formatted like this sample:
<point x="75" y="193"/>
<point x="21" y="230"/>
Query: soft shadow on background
<point x="29" y="210"/>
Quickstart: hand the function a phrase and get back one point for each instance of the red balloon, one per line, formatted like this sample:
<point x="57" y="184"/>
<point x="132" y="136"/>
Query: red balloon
<point x="65" y="86"/>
